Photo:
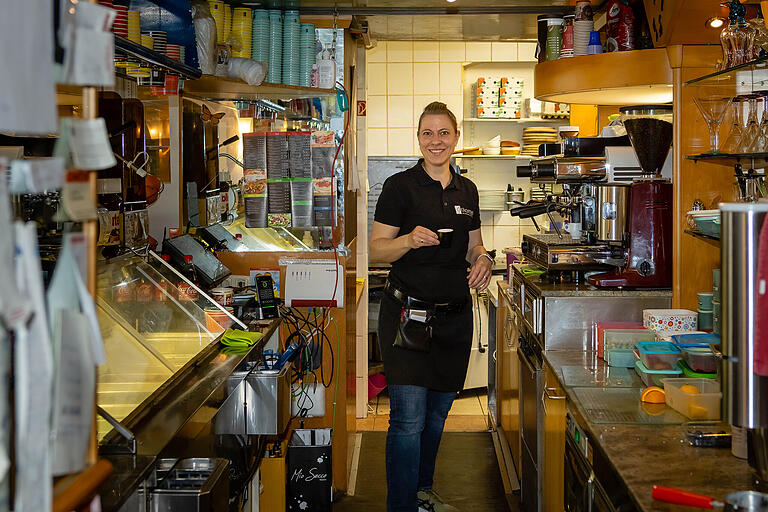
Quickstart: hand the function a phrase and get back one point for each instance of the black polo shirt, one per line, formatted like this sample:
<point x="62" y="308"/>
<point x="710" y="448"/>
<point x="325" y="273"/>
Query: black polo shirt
<point x="412" y="198"/>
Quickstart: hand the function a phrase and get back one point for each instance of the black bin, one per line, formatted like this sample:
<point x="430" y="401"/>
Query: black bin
<point x="309" y="471"/>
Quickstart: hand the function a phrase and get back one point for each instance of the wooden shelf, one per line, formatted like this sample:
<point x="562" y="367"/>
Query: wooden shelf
<point x="755" y="159"/>
<point x="698" y="234"/>
<point x="73" y="492"/>
<point x="496" y="157"/>
<point x="620" y="78"/>
<point x="222" y="88"/>
<point x="516" y="120"/>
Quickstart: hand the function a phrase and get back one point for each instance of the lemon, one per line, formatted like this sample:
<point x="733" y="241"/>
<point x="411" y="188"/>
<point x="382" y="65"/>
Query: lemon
<point x="691" y="390"/>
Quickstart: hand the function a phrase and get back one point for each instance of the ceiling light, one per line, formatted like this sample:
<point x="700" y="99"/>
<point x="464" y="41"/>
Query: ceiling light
<point x="715" y="22"/>
<point x="450" y="1"/>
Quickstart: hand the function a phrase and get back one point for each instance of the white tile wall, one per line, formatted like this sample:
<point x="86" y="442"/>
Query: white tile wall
<point x="526" y="52"/>
<point x="377" y="142"/>
<point x="426" y="51"/>
<point x="378" y="53"/>
<point x="376" y="111"/>
<point x="425" y="77"/>
<point x="503" y="52"/>
<point x="376" y="77"/>
<point x="400" y="78"/>
<point x="478" y="52"/>
<point x="419" y="102"/>
<point x="400" y="51"/>
<point x="450" y="78"/>
<point x="452" y="51"/>
<point x="400" y="141"/>
<point x="400" y="111"/>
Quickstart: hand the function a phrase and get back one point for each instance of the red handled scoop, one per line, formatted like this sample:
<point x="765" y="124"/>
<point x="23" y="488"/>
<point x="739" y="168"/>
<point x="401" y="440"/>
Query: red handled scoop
<point x="681" y="497"/>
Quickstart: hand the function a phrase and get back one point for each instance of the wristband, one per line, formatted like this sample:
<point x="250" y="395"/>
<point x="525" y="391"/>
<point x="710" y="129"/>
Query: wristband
<point x="493" y="262"/>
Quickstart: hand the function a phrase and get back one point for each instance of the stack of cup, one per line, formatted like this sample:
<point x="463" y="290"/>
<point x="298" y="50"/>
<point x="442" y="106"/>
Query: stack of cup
<point x="260" y="35"/>
<point x="120" y="25"/>
<point x="510" y="97"/>
<point x="160" y="39"/>
<point x="595" y="46"/>
<point x="242" y="32"/>
<point x="134" y="26"/>
<point x="182" y="54"/>
<point x="217" y="11"/>
<point x="275" y="62"/>
<point x="291" y="48"/>
<point x="307" y="58"/>
<point x="581" y="31"/>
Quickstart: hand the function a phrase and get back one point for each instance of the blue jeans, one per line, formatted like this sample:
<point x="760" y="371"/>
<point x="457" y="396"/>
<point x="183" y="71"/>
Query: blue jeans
<point x="416" y="419"/>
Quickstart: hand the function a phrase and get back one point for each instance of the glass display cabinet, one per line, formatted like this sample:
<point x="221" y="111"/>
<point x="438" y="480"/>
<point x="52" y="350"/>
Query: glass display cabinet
<point x="154" y="322"/>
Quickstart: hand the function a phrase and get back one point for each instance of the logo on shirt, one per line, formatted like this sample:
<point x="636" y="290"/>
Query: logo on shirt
<point x="463" y="211"/>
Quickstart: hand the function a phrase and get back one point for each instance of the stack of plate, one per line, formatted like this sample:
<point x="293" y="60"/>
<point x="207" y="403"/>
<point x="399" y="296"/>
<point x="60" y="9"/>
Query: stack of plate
<point x="275" y="61"/>
<point x="535" y="136"/>
<point x="291" y="48"/>
<point x="581" y="31"/>
<point x="491" y="199"/>
<point x="134" y="26"/>
<point x="217" y="11"/>
<point x="147" y="41"/>
<point x="160" y="38"/>
<point x="241" y="33"/>
<point x="173" y="51"/>
<point x="120" y="25"/>
<point x="307" y="51"/>
<point x="260" y="35"/>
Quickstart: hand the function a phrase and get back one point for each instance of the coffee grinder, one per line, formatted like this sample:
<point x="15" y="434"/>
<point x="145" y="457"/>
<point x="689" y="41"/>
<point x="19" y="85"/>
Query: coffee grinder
<point x="648" y="236"/>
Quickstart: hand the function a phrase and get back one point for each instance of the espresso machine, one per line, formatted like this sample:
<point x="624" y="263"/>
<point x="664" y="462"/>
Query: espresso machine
<point x="744" y="244"/>
<point x="618" y="200"/>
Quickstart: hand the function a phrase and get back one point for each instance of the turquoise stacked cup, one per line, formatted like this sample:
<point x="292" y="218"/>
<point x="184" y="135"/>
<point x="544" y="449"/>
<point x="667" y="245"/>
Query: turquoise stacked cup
<point x="307" y="53"/>
<point x="291" y="48"/>
<point x="260" y="35"/>
<point x="275" y="61"/>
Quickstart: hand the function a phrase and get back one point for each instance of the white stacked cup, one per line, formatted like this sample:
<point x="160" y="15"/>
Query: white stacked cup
<point x="581" y="31"/>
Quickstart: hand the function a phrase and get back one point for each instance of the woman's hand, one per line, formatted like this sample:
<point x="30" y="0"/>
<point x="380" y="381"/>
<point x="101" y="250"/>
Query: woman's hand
<point x="480" y="273"/>
<point x="422" y="237"/>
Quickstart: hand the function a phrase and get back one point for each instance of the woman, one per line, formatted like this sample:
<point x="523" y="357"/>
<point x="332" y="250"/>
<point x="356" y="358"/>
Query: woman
<point x="425" y="321"/>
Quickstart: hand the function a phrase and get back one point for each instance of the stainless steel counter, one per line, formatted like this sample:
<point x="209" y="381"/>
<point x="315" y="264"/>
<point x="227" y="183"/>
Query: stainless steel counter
<point x="647" y="455"/>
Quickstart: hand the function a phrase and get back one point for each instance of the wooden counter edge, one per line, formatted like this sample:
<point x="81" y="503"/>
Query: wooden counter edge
<point x="73" y="492"/>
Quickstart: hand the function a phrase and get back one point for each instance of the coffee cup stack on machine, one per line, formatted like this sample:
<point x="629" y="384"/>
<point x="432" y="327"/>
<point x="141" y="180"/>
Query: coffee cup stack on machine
<point x="618" y="192"/>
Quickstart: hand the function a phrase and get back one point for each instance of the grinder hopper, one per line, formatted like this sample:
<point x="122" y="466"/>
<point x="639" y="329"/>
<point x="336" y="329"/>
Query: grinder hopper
<point x="650" y="131"/>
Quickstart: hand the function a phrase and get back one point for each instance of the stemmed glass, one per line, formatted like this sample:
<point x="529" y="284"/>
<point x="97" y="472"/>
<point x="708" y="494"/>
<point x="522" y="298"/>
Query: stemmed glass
<point x="764" y="120"/>
<point x="750" y="142"/>
<point x="731" y="144"/>
<point x="712" y="101"/>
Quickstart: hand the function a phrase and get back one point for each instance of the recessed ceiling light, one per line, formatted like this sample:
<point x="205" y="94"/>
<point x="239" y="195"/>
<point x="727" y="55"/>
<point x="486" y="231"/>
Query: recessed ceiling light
<point x="715" y="22"/>
<point x="450" y="1"/>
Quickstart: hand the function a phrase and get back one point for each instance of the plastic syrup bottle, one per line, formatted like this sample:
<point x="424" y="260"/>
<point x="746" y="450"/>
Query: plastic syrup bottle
<point x="326" y="70"/>
<point x="313" y="76"/>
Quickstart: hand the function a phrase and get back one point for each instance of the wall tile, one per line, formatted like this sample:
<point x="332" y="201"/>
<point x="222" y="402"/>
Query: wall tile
<point x="416" y="149"/>
<point x="526" y="52"/>
<point x="503" y="52"/>
<point x="452" y="51"/>
<point x="419" y="102"/>
<point x="450" y="78"/>
<point x="487" y="232"/>
<point x="377" y="111"/>
<point x="455" y="104"/>
<point x="400" y="141"/>
<point x="377" y="142"/>
<point x="399" y="51"/>
<point x="378" y="53"/>
<point x="426" y="51"/>
<point x="424" y="75"/>
<point x="486" y="218"/>
<point x="478" y="52"/>
<point x="505" y="236"/>
<point x="400" y="112"/>
<point x="400" y="78"/>
<point x="505" y="219"/>
<point x="377" y="78"/>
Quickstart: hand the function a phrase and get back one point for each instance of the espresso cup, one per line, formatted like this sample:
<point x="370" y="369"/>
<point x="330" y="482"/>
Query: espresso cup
<point x="445" y="236"/>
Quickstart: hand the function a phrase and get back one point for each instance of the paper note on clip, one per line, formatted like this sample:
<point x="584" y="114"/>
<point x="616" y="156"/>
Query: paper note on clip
<point x="89" y="144"/>
<point x="76" y="197"/>
<point x="90" y="58"/>
<point x="35" y="176"/>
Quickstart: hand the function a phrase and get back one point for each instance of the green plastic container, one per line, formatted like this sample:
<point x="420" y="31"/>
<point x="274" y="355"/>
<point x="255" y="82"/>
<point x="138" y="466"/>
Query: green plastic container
<point x="689" y="373"/>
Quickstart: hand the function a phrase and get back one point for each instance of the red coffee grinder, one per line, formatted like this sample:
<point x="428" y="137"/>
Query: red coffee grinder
<point x="648" y="236"/>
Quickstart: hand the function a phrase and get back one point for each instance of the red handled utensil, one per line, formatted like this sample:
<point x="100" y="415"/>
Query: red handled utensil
<point x="681" y="497"/>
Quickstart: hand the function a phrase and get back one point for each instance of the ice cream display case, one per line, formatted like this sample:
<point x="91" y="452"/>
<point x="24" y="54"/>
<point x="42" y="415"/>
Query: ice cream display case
<point x="154" y="323"/>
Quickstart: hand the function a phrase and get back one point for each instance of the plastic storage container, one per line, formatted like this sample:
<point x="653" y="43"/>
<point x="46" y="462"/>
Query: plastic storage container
<point x="688" y="372"/>
<point x="654" y="377"/>
<point x="695" y="340"/>
<point x="669" y="319"/>
<point x="704" y="405"/>
<point x="659" y="356"/>
<point x="707" y="221"/>
<point x="700" y="359"/>
<point x="621" y="357"/>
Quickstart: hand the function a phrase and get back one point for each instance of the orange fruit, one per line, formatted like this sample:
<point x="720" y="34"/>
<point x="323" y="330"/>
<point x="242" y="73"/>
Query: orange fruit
<point x="691" y="390"/>
<point x="653" y="395"/>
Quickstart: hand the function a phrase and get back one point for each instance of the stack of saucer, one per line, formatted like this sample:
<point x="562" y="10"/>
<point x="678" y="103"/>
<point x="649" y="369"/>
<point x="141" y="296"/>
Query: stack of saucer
<point x="291" y="48"/>
<point x="275" y="62"/>
<point x="581" y="31"/>
<point x="173" y="51"/>
<point x="120" y="25"/>
<point x="307" y="51"/>
<point x="147" y="41"/>
<point x="535" y="136"/>
<point x="260" y="35"/>
<point x="160" y="38"/>
<point x="242" y="33"/>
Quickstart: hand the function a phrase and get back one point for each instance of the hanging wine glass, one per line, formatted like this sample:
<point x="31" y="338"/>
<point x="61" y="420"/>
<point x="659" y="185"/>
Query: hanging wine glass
<point x="731" y="144"/>
<point x="751" y="137"/>
<point x="726" y="41"/>
<point x="712" y="101"/>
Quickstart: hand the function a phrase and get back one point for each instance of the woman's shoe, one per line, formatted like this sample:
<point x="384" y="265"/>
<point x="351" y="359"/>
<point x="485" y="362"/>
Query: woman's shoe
<point x="429" y="501"/>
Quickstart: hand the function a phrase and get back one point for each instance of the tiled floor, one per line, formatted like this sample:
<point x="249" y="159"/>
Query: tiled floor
<point x="468" y="413"/>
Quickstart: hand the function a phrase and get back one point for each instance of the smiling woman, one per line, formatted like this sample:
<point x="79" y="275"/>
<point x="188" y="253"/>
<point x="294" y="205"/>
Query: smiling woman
<point x="425" y="320"/>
